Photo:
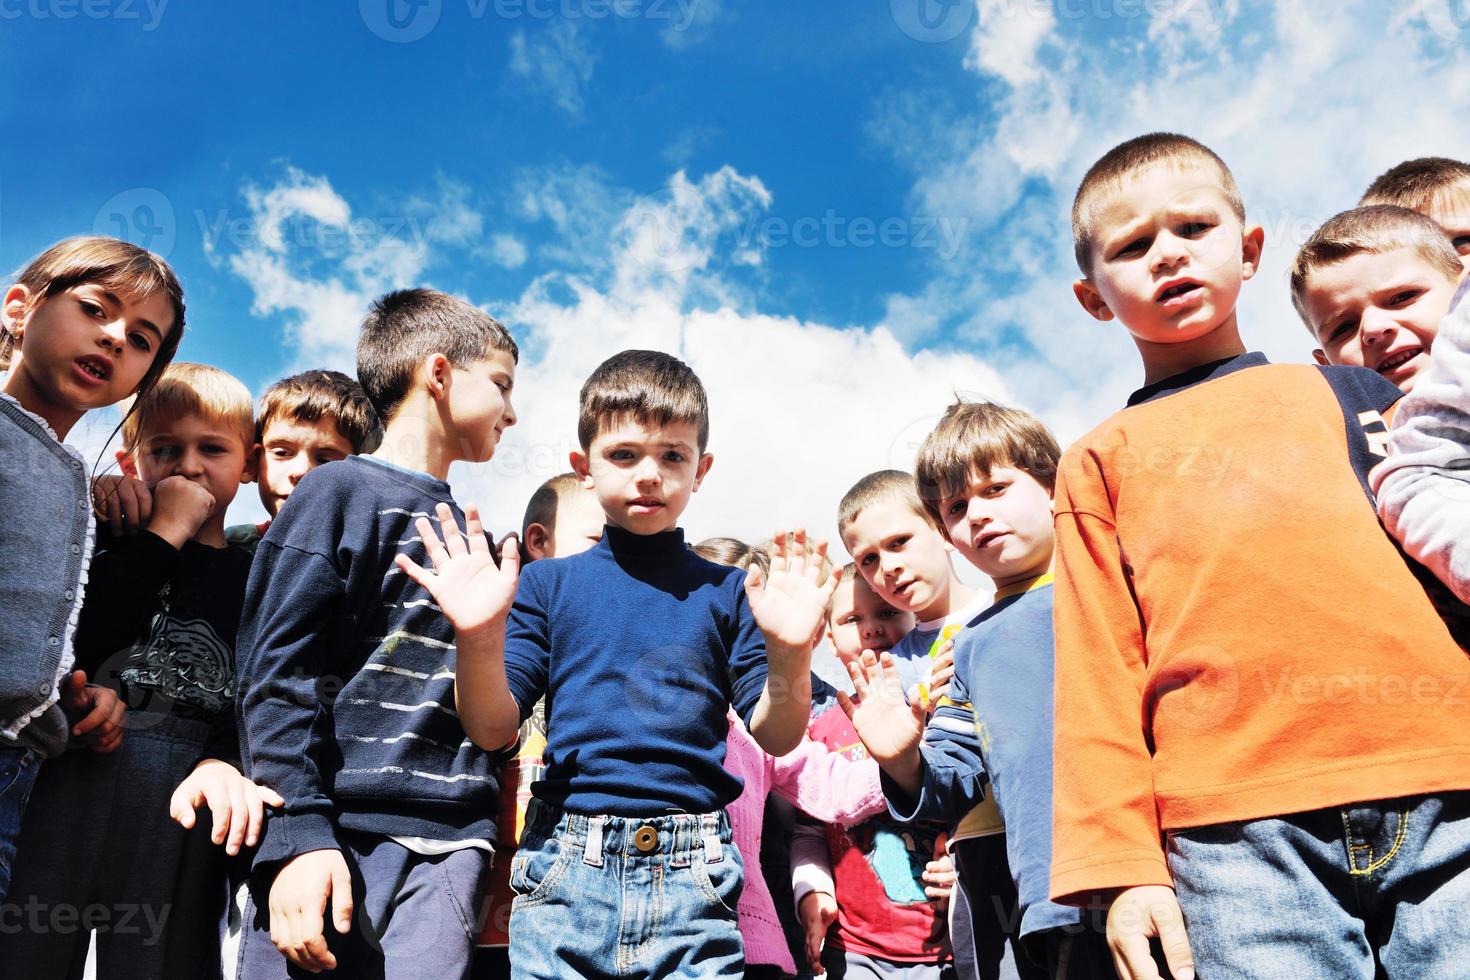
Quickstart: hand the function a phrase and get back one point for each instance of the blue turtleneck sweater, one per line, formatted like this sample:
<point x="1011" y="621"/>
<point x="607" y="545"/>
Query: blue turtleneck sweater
<point x="639" y="646"/>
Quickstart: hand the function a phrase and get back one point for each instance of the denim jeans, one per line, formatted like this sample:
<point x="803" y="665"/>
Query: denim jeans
<point x="1371" y="890"/>
<point x="17" y="775"/>
<point x="603" y="896"/>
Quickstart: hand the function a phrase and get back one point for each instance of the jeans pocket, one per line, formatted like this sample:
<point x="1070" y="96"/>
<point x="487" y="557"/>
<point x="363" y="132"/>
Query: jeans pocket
<point x="720" y="883"/>
<point x="13" y="763"/>
<point x="535" y="869"/>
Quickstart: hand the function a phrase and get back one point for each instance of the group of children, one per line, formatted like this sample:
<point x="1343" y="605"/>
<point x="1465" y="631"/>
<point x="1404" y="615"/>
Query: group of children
<point x="1206" y="721"/>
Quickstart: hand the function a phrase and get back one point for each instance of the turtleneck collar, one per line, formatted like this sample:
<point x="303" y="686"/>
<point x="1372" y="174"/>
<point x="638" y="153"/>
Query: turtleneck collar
<point x="625" y="544"/>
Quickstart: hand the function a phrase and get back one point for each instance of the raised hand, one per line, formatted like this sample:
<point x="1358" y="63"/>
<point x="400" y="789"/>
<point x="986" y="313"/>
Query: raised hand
<point x="465" y="582"/>
<point x="790" y="604"/>
<point x="890" y="726"/>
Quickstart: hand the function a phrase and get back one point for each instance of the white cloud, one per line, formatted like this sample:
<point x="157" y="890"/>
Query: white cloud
<point x="507" y="251"/>
<point x="1306" y="103"/>
<point x="555" y="61"/>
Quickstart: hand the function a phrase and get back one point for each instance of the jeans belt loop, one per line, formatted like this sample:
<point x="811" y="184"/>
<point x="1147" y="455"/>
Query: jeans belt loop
<point x="709" y="826"/>
<point x="592" y="851"/>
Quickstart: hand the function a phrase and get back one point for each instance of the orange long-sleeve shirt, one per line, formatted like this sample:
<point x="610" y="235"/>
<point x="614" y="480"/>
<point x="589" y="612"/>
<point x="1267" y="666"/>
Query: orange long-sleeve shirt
<point x="1237" y="637"/>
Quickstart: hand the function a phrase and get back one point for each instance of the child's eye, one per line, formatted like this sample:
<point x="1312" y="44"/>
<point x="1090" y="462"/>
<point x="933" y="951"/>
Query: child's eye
<point x="325" y="459"/>
<point x="898" y="543"/>
<point x="995" y="489"/>
<point x="1405" y="297"/>
<point x="1462" y="244"/>
<point x="281" y="452"/>
<point x="1136" y="247"/>
<point x="140" y="341"/>
<point x="165" y="452"/>
<point x="956" y="508"/>
<point x="1193" y="229"/>
<point x="90" y="308"/>
<point x="620" y="455"/>
<point x="1342" y="329"/>
<point x="865" y="560"/>
<point x="674" y="457"/>
<point x="213" y="450"/>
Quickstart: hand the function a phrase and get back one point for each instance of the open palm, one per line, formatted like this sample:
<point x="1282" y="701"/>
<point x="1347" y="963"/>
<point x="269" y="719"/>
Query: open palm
<point x="467" y="585"/>
<point x="888" y="724"/>
<point x="790" y="602"/>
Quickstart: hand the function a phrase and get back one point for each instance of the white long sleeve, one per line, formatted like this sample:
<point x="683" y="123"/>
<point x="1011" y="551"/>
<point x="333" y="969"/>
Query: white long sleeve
<point x="1423" y="488"/>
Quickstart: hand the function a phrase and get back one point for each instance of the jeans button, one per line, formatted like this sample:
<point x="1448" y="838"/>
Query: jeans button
<point x="645" y="838"/>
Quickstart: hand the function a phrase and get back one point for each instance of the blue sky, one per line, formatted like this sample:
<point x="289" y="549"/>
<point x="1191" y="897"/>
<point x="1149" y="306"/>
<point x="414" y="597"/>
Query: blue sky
<point x="839" y="213"/>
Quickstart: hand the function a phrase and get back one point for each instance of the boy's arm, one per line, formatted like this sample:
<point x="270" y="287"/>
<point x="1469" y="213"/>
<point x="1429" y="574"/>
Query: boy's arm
<point x="1106" y="828"/>
<point x="476" y="595"/>
<point x="789" y="606"/>
<point x="931" y="772"/>
<point x="1423" y="488"/>
<point x="287" y="671"/>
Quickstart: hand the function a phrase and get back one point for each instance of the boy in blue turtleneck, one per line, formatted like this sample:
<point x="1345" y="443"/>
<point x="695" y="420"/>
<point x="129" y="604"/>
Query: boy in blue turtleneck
<point x="640" y="646"/>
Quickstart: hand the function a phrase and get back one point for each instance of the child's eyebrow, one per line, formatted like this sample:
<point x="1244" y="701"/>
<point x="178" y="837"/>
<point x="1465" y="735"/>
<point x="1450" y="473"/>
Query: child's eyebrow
<point x="144" y="322"/>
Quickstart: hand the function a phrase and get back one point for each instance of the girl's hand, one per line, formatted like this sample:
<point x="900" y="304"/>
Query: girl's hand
<point x="817" y="912"/>
<point x="939" y="878"/>
<point x="124" y="503"/>
<point x="238" y="804"/>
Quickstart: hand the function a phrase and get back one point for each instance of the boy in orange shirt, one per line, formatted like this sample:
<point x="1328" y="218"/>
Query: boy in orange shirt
<point x="1223" y="685"/>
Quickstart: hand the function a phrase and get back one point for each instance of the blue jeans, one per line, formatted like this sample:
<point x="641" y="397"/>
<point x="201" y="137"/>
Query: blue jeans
<point x="17" y="775"/>
<point x="1370" y="890"/>
<point x="602" y="896"/>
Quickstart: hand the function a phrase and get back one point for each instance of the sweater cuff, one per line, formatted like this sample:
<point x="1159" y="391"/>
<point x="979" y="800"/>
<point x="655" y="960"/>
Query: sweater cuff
<point x="291" y="834"/>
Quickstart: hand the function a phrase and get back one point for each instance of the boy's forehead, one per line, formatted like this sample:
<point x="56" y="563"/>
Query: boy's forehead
<point x="1154" y="189"/>
<point x="174" y="425"/>
<point x="844" y="598"/>
<point x="629" y="429"/>
<point x="879" y="520"/>
<point x="1361" y="274"/>
<point x="290" y="427"/>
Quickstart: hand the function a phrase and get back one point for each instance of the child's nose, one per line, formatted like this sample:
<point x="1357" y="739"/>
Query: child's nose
<point x="1377" y="327"/>
<point x="1169" y="251"/>
<point x="114" y="335"/>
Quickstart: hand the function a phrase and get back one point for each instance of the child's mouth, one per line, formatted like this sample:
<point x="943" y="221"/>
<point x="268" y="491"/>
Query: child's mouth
<point x="95" y="367"/>
<point x="1393" y="362"/>
<point x="1176" y="294"/>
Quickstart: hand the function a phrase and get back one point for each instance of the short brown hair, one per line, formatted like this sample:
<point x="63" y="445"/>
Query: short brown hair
<point x="319" y="394"/>
<point x="1417" y="184"/>
<point x="541" y="509"/>
<point x="117" y="266"/>
<point x="1374" y="229"/>
<point x="1128" y="157"/>
<point x="647" y="385"/>
<point x="191" y="389"/>
<point x="408" y="325"/>
<point x="884" y="485"/>
<point x="733" y="552"/>
<point x="976" y="437"/>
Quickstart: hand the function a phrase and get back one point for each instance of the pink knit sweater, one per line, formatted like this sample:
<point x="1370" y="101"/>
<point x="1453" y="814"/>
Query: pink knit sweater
<point x="827" y="786"/>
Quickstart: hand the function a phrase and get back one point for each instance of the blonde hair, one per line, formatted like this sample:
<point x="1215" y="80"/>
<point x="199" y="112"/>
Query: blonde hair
<point x="882" y="486"/>
<point x="1125" y="159"/>
<point x="1374" y="229"/>
<point x="1418" y="184"/>
<point x="191" y="389"/>
<point x="115" y="265"/>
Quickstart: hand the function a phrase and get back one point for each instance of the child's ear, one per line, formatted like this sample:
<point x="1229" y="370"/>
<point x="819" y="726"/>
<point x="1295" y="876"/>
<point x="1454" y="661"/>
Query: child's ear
<point x="1252" y="241"/>
<point x="126" y="463"/>
<point x="537" y="542"/>
<point x="14" y="308"/>
<point x="581" y="466"/>
<point x="706" y="460"/>
<point x="1320" y="357"/>
<point x="437" y="375"/>
<point x="252" y="464"/>
<point x="1091" y="300"/>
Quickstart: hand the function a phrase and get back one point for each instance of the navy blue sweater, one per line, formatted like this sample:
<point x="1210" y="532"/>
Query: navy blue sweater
<point x="999" y="729"/>
<point x="347" y="671"/>
<point x="640" y="646"/>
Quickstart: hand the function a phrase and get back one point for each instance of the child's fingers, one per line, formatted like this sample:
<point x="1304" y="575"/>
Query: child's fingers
<point x="845" y="703"/>
<point x="449" y="527"/>
<point x="474" y="530"/>
<point x="510" y="556"/>
<point x="239" y="815"/>
<point x="100" y="714"/>
<point x="181" y="806"/>
<point x="433" y="547"/>
<point x="341" y="897"/>
<point x="217" y="798"/>
<point x="1132" y="958"/>
<point x="755" y="583"/>
<point x="269" y="796"/>
<point x="255" y="815"/>
<point x="414" y="570"/>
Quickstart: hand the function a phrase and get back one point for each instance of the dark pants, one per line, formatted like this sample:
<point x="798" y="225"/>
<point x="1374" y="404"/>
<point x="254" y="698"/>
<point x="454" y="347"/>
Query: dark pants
<point x="417" y="916"/>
